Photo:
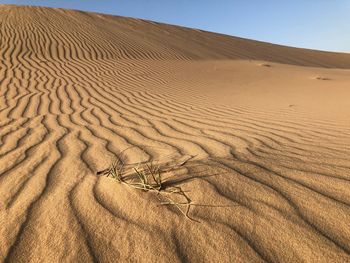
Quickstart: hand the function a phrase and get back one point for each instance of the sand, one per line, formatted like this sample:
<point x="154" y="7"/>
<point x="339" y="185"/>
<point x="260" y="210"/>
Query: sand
<point x="265" y="129"/>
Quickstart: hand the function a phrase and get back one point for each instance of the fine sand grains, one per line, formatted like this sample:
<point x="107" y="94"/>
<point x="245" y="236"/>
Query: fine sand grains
<point x="266" y="128"/>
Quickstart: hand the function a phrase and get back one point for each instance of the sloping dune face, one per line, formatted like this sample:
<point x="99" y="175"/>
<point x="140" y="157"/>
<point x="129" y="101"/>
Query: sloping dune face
<point x="264" y="129"/>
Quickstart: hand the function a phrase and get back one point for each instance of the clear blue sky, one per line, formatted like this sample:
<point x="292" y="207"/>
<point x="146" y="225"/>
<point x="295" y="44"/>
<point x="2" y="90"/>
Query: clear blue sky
<point x="318" y="24"/>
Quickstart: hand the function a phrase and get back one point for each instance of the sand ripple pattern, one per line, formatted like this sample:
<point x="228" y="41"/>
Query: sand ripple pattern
<point x="72" y="97"/>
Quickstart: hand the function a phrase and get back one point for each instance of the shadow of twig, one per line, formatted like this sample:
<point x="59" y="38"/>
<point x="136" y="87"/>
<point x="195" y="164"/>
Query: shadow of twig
<point x="148" y="176"/>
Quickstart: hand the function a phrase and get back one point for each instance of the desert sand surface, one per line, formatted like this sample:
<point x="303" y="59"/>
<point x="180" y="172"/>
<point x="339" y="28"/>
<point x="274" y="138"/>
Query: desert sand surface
<point x="258" y="136"/>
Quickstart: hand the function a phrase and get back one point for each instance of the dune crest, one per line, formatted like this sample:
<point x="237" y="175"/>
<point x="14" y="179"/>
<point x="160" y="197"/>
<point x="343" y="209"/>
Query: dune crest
<point x="268" y="136"/>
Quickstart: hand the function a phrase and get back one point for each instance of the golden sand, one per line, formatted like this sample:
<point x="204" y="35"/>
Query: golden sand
<point x="267" y="128"/>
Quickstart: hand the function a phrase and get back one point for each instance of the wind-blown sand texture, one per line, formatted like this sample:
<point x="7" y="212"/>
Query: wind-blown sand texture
<point x="267" y="127"/>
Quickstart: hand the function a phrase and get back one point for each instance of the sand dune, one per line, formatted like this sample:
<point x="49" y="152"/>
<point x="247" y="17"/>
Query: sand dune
<point x="266" y="126"/>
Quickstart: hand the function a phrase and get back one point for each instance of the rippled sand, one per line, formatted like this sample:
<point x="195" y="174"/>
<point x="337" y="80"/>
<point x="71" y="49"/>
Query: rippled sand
<point x="266" y="127"/>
